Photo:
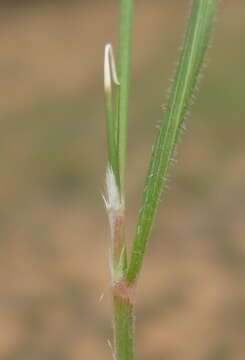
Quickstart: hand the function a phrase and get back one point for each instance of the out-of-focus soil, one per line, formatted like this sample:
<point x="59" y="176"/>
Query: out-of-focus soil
<point x="55" y="238"/>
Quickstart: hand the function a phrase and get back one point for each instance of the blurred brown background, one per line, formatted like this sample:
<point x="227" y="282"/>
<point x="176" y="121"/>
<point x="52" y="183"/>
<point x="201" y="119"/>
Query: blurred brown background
<point x="54" y="233"/>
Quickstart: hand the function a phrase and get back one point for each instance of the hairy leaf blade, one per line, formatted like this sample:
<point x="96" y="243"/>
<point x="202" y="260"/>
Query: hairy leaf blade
<point x="195" y="44"/>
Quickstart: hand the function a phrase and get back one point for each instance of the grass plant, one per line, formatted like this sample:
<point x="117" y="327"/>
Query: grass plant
<point x="125" y="266"/>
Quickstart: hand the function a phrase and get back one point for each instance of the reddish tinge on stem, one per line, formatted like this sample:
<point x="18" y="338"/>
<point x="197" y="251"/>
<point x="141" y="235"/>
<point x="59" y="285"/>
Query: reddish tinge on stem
<point x="125" y="292"/>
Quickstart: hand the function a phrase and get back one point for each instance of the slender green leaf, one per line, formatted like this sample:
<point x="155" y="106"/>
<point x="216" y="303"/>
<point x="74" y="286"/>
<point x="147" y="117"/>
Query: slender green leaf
<point x="124" y="64"/>
<point x="195" y="44"/>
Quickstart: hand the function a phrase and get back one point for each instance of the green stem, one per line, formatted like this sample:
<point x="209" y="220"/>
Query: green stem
<point x="124" y="65"/>
<point x="123" y="307"/>
<point x="196" y="41"/>
<point x="124" y="320"/>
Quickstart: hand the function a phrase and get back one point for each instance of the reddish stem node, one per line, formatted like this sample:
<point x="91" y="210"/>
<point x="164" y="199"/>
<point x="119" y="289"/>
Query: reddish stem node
<point x="125" y="292"/>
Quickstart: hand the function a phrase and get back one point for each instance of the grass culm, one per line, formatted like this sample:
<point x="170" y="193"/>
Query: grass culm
<point x="125" y="266"/>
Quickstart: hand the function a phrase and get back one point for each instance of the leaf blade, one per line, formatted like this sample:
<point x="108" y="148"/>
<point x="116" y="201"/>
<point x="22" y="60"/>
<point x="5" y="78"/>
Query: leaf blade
<point x="195" y="44"/>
